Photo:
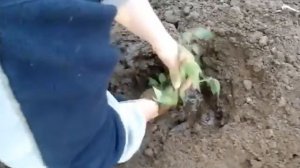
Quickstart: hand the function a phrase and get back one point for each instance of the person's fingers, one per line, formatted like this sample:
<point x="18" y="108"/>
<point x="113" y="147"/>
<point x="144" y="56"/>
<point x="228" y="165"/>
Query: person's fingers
<point x="175" y="77"/>
<point x="148" y="108"/>
<point x="186" y="85"/>
<point x="169" y="56"/>
<point x="174" y="61"/>
<point x="184" y="55"/>
<point x="149" y="94"/>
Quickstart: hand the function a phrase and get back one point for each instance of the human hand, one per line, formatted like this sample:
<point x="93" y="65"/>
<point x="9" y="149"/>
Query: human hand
<point x="174" y="56"/>
<point x="147" y="107"/>
<point x="149" y="94"/>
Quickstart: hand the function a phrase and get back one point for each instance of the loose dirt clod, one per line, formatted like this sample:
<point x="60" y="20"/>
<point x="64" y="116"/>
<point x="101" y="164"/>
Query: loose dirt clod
<point x="282" y="102"/>
<point x="263" y="41"/>
<point x="171" y="17"/>
<point x="247" y="84"/>
<point x="269" y="133"/>
<point x="149" y="152"/>
<point x="256" y="164"/>
<point x="186" y="10"/>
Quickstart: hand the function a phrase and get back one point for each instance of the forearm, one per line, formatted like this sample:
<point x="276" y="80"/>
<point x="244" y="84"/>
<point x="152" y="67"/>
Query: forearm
<point x="139" y="17"/>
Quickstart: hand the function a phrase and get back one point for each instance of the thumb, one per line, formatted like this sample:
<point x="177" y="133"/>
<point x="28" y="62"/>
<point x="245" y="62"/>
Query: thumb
<point x="175" y="77"/>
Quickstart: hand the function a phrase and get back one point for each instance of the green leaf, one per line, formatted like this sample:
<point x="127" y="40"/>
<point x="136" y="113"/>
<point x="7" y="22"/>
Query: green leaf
<point x="162" y="78"/>
<point x="152" y="82"/>
<point x="192" y="70"/>
<point x="157" y="93"/>
<point x="203" y="34"/>
<point x="182" y="95"/>
<point x="168" y="96"/>
<point x="215" y="86"/>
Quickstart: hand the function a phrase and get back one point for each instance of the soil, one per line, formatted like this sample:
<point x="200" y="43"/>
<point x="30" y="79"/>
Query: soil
<point x="255" y="56"/>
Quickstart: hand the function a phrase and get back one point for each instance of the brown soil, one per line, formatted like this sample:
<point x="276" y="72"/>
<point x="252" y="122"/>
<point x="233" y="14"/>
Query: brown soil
<point x="256" y="56"/>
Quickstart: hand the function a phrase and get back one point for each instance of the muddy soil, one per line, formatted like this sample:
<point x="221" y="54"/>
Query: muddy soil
<point x="256" y="57"/>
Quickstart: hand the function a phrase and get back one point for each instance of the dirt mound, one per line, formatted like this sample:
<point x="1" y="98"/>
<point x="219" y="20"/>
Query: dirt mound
<point x="256" y="56"/>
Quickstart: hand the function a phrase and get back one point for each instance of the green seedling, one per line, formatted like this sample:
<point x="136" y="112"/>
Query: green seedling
<point x="168" y="96"/>
<point x="162" y="78"/>
<point x="202" y="34"/>
<point x="160" y="82"/>
<point x="191" y="70"/>
<point x="165" y="93"/>
<point x="153" y="82"/>
<point x="195" y="34"/>
<point x="214" y="84"/>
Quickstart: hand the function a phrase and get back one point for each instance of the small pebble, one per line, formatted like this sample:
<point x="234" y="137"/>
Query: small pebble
<point x="285" y="79"/>
<point x="263" y="41"/>
<point x="274" y="51"/>
<point x="149" y="152"/>
<point x="253" y="37"/>
<point x="269" y="133"/>
<point x="273" y="144"/>
<point x="256" y="164"/>
<point x="154" y="128"/>
<point x="248" y="100"/>
<point x="179" y="128"/>
<point x="290" y="58"/>
<point x="237" y="118"/>
<point x="257" y="67"/>
<point x="247" y="84"/>
<point x="186" y="10"/>
<point x="236" y="11"/>
<point x="194" y="15"/>
<point x="282" y="102"/>
<point x="171" y="17"/>
<point x="197" y="128"/>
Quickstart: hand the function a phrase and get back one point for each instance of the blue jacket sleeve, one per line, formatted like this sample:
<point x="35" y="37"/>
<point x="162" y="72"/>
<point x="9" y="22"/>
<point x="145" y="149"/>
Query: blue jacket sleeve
<point x="58" y="60"/>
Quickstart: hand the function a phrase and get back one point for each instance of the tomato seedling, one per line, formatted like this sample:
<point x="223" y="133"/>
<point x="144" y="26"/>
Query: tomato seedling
<point x="164" y="92"/>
